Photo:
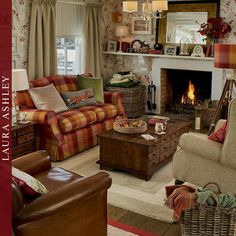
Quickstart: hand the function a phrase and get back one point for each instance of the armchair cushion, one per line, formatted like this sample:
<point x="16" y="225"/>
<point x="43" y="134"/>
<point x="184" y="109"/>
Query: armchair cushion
<point x="75" y="119"/>
<point x="29" y="186"/>
<point x="47" y="98"/>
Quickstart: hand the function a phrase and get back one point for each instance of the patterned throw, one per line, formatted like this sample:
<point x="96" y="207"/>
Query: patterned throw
<point x="180" y="198"/>
<point x="225" y="56"/>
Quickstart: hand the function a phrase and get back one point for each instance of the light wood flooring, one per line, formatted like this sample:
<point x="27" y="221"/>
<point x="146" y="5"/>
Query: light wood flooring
<point x="143" y="222"/>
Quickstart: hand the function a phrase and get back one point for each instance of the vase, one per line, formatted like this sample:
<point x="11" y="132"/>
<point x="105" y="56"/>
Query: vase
<point x="212" y="45"/>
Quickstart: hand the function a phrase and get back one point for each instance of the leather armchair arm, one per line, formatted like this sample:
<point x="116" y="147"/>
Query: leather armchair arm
<point x="44" y="117"/>
<point x="69" y="198"/>
<point x="33" y="163"/>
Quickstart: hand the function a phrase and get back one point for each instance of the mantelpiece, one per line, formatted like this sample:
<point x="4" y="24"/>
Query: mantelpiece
<point x="165" y="62"/>
<point x="159" y="56"/>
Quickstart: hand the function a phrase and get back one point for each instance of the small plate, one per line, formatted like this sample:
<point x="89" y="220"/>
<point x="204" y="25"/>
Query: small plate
<point x="160" y="133"/>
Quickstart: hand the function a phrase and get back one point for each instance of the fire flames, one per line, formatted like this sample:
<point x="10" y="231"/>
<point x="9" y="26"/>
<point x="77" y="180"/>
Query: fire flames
<point x="190" y="96"/>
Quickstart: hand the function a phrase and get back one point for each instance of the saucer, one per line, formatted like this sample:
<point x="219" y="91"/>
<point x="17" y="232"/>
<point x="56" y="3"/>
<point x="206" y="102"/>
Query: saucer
<point x="160" y="133"/>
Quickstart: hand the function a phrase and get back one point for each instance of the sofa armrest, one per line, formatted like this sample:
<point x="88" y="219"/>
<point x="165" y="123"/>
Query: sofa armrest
<point x="44" y="117"/>
<point x="33" y="163"/>
<point x="201" y="146"/>
<point x="115" y="98"/>
<point x="68" y="199"/>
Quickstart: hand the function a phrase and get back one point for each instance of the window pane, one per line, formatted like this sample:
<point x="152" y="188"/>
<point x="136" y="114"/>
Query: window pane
<point x="69" y="55"/>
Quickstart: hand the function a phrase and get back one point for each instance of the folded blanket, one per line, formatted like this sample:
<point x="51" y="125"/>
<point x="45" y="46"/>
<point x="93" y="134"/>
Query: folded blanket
<point x="223" y="200"/>
<point x="180" y="198"/>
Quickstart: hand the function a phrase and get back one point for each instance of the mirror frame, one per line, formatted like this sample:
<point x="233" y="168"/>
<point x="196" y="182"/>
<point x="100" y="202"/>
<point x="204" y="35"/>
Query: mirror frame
<point x="161" y="23"/>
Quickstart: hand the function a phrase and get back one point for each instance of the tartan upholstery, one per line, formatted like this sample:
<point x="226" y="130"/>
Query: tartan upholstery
<point x="72" y="120"/>
<point x="67" y="133"/>
<point x="102" y="111"/>
<point x="45" y="118"/>
<point x="63" y="83"/>
<point x="225" y="56"/>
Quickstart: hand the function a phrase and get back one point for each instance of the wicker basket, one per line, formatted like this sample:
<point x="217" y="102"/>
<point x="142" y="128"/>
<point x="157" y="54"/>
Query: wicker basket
<point x="129" y="130"/>
<point x="207" y="220"/>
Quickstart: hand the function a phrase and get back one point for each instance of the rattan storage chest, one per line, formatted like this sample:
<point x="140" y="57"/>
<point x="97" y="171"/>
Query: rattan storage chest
<point x="134" y="99"/>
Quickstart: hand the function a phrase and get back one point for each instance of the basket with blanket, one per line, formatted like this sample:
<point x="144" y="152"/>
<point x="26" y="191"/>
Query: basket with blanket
<point x="203" y="211"/>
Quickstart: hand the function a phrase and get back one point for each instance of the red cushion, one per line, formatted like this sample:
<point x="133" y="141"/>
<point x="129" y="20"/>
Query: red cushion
<point x="29" y="186"/>
<point x="219" y="135"/>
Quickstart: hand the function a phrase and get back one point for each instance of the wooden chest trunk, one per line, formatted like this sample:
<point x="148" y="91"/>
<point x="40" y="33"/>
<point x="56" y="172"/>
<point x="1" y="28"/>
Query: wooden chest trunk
<point x="134" y="99"/>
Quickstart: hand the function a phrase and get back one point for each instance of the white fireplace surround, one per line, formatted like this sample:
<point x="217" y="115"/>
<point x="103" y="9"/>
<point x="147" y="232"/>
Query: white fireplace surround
<point x="183" y="63"/>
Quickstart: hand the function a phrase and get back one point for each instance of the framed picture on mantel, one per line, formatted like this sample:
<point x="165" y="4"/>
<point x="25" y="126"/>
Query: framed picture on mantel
<point x="140" y="26"/>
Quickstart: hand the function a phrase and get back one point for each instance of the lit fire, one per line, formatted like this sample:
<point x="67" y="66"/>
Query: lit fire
<point x="190" y="97"/>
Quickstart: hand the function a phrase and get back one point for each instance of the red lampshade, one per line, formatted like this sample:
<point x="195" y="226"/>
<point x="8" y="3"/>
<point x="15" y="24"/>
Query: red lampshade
<point x="225" y="56"/>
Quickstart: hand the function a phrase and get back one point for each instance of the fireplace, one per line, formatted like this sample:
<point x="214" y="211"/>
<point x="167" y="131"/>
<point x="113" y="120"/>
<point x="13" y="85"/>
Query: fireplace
<point x="182" y="90"/>
<point x="202" y="71"/>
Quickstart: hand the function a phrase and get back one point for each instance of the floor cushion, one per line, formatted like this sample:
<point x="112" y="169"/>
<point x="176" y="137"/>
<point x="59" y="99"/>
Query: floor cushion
<point x="75" y="119"/>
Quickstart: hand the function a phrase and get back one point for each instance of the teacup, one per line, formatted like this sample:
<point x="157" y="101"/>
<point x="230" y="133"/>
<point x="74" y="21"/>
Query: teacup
<point x="160" y="127"/>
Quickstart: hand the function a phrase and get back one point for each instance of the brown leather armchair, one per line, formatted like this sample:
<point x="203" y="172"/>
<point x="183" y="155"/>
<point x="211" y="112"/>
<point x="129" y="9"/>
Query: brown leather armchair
<point x="74" y="205"/>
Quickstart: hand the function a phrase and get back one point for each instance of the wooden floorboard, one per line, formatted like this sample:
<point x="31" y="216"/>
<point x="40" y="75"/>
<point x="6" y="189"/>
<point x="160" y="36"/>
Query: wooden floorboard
<point x="143" y="222"/>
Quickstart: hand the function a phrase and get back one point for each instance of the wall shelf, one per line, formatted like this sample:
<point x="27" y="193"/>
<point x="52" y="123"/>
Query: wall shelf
<point x="159" y="56"/>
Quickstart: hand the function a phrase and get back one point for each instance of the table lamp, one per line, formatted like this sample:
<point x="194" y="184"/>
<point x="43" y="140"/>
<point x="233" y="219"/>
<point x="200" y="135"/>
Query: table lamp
<point x="225" y="58"/>
<point x="121" y="31"/>
<point x="19" y="83"/>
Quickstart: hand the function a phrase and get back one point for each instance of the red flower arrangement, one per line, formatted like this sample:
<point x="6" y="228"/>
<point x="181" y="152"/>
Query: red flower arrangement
<point x="215" y="28"/>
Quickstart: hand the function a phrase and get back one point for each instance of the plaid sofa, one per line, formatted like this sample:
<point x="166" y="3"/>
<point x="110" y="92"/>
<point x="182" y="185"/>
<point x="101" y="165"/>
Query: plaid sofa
<point x="67" y="133"/>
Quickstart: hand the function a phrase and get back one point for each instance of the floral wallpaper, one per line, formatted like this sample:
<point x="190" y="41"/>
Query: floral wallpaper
<point x="113" y="64"/>
<point x="20" y="30"/>
<point x="110" y="64"/>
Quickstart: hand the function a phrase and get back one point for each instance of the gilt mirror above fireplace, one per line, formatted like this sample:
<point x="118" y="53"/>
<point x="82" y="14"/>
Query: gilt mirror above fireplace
<point x="198" y="9"/>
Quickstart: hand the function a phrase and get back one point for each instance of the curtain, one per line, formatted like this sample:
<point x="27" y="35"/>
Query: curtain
<point x="92" y="40"/>
<point x="42" y="39"/>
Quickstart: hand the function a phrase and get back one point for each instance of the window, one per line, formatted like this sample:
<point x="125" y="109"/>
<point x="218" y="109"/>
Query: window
<point x="69" y="19"/>
<point x="69" y="55"/>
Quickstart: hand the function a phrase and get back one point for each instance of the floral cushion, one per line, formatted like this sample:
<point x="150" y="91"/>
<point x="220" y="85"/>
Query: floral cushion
<point x="219" y="135"/>
<point x="28" y="185"/>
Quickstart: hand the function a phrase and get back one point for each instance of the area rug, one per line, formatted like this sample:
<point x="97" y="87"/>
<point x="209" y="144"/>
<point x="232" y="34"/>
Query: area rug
<point x="128" y="192"/>
<point x="118" y="229"/>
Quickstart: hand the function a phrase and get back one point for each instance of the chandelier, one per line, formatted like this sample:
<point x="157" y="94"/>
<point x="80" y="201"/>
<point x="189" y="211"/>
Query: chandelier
<point x="150" y="9"/>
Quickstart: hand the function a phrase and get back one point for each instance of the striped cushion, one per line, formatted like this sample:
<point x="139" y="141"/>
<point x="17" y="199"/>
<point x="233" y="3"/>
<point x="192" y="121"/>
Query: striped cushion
<point x="72" y="120"/>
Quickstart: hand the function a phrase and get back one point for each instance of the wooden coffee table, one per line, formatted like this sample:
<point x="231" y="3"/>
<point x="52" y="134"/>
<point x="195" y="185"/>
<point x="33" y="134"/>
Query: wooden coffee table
<point x="134" y="154"/>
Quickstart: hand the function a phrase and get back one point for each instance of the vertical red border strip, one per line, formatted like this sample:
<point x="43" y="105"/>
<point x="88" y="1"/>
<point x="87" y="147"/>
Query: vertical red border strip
<point x="5" y="117"/>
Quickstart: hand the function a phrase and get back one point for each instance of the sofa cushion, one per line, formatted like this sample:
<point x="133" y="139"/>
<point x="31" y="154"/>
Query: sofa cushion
<point x="219" y="135"/>
<point x="47" y="98"/>
<point x="95" y="83"/>
<point x="79" y="98"/>
<point x="29" y="186"/>
<point x="103" y="111"/>
<point x="75" y="119"/>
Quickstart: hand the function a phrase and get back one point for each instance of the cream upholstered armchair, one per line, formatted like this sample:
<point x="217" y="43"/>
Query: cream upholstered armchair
<point x="200" y="160"/>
